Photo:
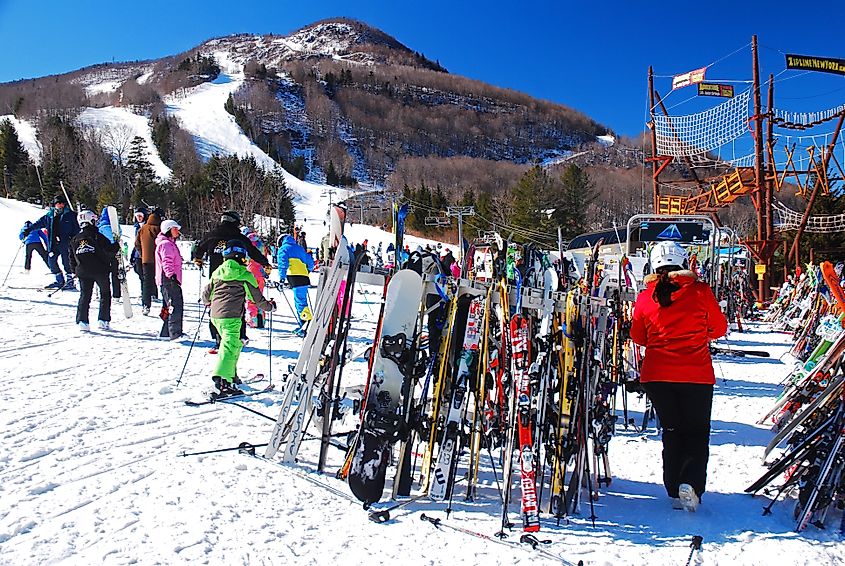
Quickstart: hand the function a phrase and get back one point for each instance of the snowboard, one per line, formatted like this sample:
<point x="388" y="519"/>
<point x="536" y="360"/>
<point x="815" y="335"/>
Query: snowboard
<point x="380" y="426"/>
<point x="114" y="222"/>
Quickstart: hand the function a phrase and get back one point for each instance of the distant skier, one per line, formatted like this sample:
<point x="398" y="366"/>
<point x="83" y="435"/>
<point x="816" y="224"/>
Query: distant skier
<point x="61" y="226"/>
<point x="212" y="246"/>
<point x="168" y="263"/>
<point x="145" y="244"/>
<point x="675" y="318"/>
<point x="35" y="241"/>
<point x="231" y="284"/>
<point x="254" y="318"/>
<point x="135" y="256"/>
<point x="296" y="264"/>
<point x="90" y="259"/>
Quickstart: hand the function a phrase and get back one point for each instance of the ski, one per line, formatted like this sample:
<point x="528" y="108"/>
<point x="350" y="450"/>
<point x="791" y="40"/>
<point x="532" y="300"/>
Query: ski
<point x="215" y="399"/>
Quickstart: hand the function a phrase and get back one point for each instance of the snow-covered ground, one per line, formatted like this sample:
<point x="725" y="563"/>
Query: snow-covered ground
<point x="94" y="430"/>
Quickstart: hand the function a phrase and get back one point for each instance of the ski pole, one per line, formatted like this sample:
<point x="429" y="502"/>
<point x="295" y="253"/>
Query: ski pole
<point x="270" y="344"/>
<point x="245" y="447"/>
<point x="68" y="282"/>
<point x="694" y="545"/>
<point x="12" y="264"/>
<point x="196" y="334"/>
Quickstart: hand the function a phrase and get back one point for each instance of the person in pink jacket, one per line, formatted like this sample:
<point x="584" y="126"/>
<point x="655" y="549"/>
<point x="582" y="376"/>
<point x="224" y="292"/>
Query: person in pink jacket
<point x="254" y="317"/>
<point x="168" y="272"/>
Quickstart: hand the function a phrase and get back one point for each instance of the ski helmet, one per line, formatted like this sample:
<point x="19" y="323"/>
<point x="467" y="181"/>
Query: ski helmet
<point x="667" y="253"/>
<point x="86" y="217"/>
<point x="230" y="216"/>
<point x="167" y="225"/>
<point x="235" y="250"/>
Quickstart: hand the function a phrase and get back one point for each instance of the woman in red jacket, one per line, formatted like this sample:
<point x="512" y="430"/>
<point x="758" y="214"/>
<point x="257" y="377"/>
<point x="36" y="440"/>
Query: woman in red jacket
<point x="675" y="318"/>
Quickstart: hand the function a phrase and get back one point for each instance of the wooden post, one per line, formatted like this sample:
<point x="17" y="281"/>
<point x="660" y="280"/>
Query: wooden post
<point x="655" y="189"/>
<point x="762" y="235"/>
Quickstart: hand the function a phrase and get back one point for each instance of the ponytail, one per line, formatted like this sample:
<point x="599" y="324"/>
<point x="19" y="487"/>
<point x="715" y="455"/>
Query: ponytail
<point x="665" y="287"/>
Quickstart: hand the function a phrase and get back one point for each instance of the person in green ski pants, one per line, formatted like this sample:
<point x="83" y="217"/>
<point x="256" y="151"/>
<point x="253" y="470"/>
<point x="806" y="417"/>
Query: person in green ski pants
<point x="231" y="284"/>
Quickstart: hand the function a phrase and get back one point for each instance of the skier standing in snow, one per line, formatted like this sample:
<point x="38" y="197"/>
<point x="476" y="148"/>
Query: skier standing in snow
<point x="168" y="264"/>
<point x="135" y="257"/>
<point x="61" y="226"/>
<point x="213" y="244"/>
<point x="675" y="318"/>
<point x="104" y="226"/>
<point x="254" y="318"/>
<point x="231" y="284"/>
<point x="296" y="264"/>
<point x="35" y="241"/>
<point x="90" y="259"/>
<point x="145" y="244"/>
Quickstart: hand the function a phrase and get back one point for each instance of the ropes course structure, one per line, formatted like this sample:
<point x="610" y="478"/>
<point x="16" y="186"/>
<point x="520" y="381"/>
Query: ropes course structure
<point x="788" y="219"/>
<point x="709" y="150"/>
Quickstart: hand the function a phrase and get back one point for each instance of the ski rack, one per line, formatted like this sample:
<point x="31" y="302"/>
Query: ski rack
<point x="532" y="298"/>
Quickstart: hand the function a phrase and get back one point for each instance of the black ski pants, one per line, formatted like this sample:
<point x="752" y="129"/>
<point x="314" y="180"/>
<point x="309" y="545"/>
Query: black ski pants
<point x="34" y="247"/>
<point x="684" y="412"/>
<point x="115" y="279"/>
<point x="171" y="294"/>
<point x="148" y="284"/>
<point x="86" y="289"/>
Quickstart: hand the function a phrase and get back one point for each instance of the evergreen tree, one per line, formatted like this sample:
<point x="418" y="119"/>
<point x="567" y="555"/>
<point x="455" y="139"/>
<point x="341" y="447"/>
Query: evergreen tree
<point x="17" y="170"/>
<point x="141" y="172"/>
<point x="575" y="198"/>
<point x="331" y="175"/>
<point x="532" y="196"/>
<point x="162" y="135"/>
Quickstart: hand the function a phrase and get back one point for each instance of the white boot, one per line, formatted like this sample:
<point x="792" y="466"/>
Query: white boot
<point x="689" y="499"/>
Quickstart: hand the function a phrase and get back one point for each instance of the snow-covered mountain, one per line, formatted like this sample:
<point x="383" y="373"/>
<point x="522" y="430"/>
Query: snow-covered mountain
<point x="345" y="93"/>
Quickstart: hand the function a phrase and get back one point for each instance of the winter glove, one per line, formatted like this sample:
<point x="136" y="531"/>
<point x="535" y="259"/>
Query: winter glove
<point x="174" y="279"/>
<point x="26" y="232"/>
<point x="273" y="302"/>
<point x="198" y="262"/>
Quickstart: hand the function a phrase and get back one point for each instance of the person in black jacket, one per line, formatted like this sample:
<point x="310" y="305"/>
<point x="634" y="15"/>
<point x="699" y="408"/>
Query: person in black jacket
<point x="212" y="246"/>
<point x="61" y="226"/>
<point x="90" y="258"/>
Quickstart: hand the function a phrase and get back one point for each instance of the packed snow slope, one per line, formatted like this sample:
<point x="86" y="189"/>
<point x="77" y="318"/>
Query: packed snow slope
<point x="93" y="465"/>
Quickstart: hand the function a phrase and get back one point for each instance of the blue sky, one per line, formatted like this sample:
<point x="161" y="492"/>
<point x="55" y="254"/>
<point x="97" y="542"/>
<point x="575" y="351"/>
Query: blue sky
<point x="592" y="56"/>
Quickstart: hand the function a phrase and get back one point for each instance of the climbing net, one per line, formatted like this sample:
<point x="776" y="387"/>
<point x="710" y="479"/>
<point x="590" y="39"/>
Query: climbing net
<point x="788" y="219"/>
<point x="696" y="134"/>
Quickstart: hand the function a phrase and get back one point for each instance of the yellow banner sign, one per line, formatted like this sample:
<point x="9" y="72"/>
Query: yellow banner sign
<point x="686" y="79"/>
<point x="809" y="63"/>
<point x="714" y="89"/>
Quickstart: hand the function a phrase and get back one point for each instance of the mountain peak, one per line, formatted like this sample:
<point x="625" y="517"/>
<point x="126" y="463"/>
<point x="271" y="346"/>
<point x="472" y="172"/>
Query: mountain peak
<point x="336" y="38"/>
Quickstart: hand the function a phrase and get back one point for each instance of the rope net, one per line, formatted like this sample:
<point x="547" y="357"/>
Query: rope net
<point x="695" y="134"/>
<point x="788" y="219"/>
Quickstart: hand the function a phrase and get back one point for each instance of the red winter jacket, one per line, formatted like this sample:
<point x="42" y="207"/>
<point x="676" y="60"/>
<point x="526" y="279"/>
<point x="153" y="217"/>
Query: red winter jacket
<point x="677" y="337"/>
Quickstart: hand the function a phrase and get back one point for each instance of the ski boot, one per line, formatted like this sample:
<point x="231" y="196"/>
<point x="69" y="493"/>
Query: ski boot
<point x="224" y="388"/>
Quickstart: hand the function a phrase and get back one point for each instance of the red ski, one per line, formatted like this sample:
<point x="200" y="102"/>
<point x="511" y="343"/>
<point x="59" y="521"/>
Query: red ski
<point x="522" y="389"/>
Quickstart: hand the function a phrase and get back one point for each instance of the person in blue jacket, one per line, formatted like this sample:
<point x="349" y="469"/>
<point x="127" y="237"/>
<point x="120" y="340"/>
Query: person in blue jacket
<point x="296" y="263"/>
<point x="60" y="222"/>
<point x="35" y="241"/>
